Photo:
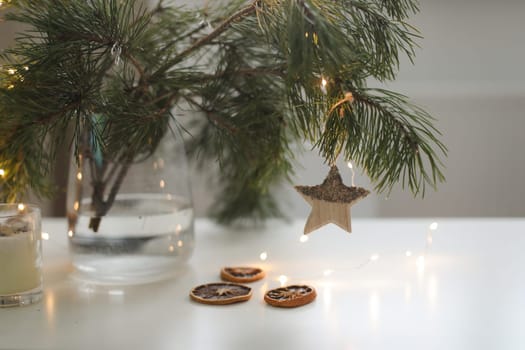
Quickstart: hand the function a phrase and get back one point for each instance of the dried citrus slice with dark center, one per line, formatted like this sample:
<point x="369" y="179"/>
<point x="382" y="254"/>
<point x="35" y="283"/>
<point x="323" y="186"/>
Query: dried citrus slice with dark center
<point x="290" y="296"/>
<point x="242" y="274"/>
<point x="221" y="293"/>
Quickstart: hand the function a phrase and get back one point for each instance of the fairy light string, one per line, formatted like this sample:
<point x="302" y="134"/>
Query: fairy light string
<point x="419" y="260"/>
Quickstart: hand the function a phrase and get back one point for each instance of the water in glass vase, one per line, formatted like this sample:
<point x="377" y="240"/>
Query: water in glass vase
<point x="143" y="238"/>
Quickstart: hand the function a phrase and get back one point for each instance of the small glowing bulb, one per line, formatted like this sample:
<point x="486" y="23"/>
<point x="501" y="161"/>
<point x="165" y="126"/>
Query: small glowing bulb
<point x="306" y="35"/>
<point x="180" y="244"/>
<point x="11" y="71"/>
<point x="323" y="85"/>
<point x="10" y="87"/>
<point x="45" y="236"/>
<point x="374" y="257"/>
<point x="351" y="166"/>
<point x="178" y="228"/>
<point x="433" y="226"/>
<point x="303" y="239"/>
<point x="70" y="233"/>
<point x="263" y="256"/>
<point x="2" y="172"/>
<point x="79" y="176"/>
<point x="76" y="205"/>
<point x="315" y="38"/>
<point x="171" y="248"/>
<point x="26" y="68"/>
<point x="21" y="207"/>
<point x="408" y="253"/>
<point x="162" y="183"/>
<point x="283" y="279"/>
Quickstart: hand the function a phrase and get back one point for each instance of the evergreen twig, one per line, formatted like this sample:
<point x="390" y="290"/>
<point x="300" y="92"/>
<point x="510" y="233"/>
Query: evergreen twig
<point x="114" y="70"/>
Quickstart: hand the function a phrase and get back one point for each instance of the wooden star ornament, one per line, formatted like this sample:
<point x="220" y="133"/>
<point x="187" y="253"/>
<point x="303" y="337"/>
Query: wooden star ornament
<point x="331" y="202"/>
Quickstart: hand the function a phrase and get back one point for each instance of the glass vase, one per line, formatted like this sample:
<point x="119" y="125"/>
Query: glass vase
<point x="130" y="222"/>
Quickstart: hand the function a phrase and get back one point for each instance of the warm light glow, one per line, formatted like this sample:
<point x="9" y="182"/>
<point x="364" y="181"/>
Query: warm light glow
<point x="433" y="226"/>
<point x="45" y="236"/>
<point x="408" y="253"/>
<point x="161" y="163"/>
<point x="306" y="35"/>
<point x="11" y="71"/>
<point x="350" y="165"/>
<point x="283" y="279"/>
<point x="374" y="257"/>
<point x="180" y="244"/>
<point x="116" y="292"/>
<point x="70" y="233"/>
<point x="171" y="248"/>
<point x="263" y="256"/>
<point x="2" y="172"/>
<point x="26" y="68"/>
<point x="178" y="228"/>
<point x="324" y="82"/>
<point x="49" y="304"/>
<point x="79" y="176"/>
<point x="21" y="207"/>
<point x="328" y="272"/>
<point x="315" y="38"/>
<point x="373" y="308"/>
<point x="303" y="239"/>
<point x="76" y="205"/>
<point x="162" y="183"/>
<point x="420" y="263"/>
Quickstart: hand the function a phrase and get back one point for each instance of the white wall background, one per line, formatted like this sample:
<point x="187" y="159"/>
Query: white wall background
<point x="469" y="74"/>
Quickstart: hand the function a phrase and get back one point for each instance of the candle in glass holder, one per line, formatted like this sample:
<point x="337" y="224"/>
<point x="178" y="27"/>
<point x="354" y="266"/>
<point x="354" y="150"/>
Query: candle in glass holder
<point x="20" y="255"/>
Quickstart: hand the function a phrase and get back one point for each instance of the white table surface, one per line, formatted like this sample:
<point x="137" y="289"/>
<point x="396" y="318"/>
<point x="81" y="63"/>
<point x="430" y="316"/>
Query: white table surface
<point x="463" y="287"/>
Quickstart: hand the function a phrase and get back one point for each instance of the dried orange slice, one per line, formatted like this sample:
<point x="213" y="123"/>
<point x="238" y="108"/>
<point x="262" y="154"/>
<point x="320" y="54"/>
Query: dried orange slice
<point x="290" y="296"/>
<point x="242" y="274"/>
<point x="221" y="293"/>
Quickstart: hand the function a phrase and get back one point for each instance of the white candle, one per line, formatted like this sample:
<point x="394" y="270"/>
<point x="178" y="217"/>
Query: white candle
<point x="20" y="255"/>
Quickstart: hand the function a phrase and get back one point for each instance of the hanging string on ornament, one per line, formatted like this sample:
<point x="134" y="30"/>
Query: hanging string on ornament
<point x="339" y="104"/>
<point x="331" y="201"/>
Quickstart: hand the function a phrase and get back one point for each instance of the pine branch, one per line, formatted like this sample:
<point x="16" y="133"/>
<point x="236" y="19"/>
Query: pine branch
<point x="116" y="70"/>
<point x="248" y="10"/>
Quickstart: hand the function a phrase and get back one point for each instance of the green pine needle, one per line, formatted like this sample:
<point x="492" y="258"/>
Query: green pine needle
<point x="112" y="72"/>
